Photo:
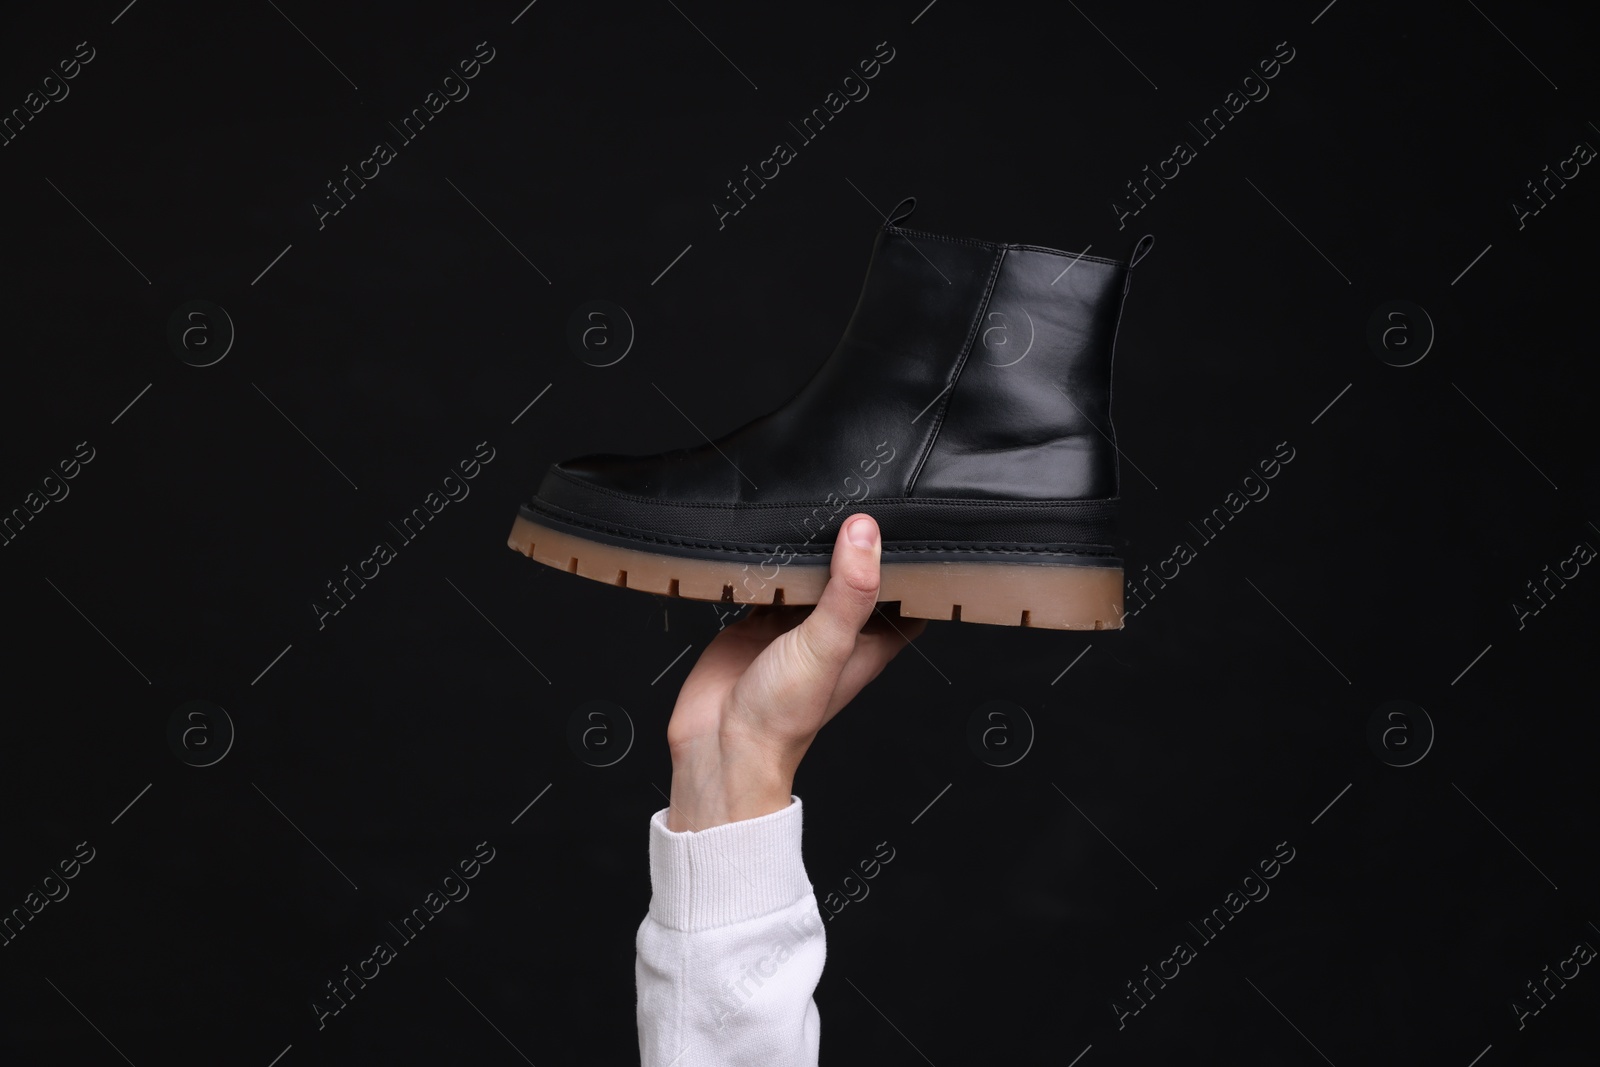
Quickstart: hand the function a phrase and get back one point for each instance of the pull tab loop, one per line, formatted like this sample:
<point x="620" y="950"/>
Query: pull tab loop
<point x="901" y="211"/>
<point x="1142" y="249"/>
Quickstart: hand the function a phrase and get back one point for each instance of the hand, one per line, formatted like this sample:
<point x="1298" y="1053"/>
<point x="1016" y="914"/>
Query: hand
<point x="765" y="685"/>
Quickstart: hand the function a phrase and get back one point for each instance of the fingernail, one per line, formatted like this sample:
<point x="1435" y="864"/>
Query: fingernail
<point x="862" y="533"/>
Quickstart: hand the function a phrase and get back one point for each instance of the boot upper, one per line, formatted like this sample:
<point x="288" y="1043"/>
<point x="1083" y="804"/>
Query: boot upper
<point x="970" y="372"/>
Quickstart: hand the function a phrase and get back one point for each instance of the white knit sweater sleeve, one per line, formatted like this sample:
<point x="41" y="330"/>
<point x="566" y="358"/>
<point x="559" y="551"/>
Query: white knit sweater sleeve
<point x="732" y="948"/>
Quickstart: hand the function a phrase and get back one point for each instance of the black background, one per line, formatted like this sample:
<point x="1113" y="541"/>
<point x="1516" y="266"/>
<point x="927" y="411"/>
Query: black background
<point x="424" y="717"/>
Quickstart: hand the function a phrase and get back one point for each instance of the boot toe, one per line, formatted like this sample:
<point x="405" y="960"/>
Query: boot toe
<point x="605" y="471"/>
<point x="697" y="474"/>
<point x="616" y="488"/>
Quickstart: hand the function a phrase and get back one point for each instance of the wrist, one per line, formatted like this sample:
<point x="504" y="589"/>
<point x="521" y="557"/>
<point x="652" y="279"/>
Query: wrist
<point x="715" y="782"/>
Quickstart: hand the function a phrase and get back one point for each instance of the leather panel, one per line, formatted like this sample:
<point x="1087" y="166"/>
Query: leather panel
<point x="1029" y="417"/>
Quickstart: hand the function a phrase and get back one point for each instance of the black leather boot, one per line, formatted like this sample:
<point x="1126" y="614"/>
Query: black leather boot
<point x="966" y="409"/>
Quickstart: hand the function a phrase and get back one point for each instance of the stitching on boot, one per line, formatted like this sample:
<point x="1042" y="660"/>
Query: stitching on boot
<point x="889" y="548"/>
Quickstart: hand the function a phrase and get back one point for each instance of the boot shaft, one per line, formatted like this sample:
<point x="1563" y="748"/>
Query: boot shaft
<point x="1029" y="415"/>
<point x="998" y="357"/>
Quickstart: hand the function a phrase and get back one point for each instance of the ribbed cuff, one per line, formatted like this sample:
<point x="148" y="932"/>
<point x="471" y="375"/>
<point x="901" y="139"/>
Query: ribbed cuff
<point x="726" y="874"/>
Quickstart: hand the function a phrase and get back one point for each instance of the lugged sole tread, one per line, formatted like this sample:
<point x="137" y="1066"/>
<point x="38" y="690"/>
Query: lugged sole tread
<point x="1033" y="595"/>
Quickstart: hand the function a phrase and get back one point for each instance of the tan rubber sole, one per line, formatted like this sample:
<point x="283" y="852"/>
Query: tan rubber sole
<point x="1005" y="594"/>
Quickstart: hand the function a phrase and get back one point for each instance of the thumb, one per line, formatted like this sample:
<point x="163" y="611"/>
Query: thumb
<point x="846" y="604"/>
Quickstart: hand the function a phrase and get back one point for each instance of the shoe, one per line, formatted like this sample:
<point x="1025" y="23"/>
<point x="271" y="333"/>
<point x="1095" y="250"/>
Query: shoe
<point x="966" y="409"/>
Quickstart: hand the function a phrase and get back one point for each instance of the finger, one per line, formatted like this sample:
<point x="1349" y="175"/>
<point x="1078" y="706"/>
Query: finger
<point x="829" y="632"/>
